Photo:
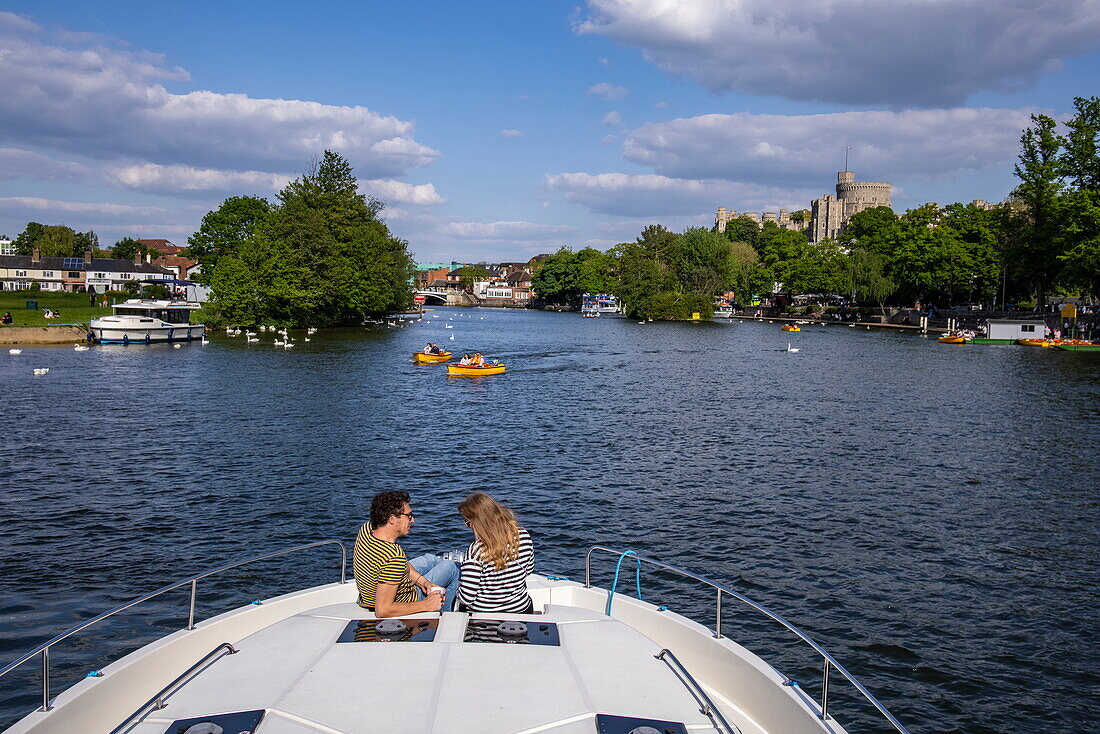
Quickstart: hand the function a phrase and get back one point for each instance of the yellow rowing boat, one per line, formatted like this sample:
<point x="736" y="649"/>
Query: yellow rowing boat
<point x="790" y="327"/>
<point x="952" y="339"/>
<point x="422" y="357"/>
<point x="469" y="369"/>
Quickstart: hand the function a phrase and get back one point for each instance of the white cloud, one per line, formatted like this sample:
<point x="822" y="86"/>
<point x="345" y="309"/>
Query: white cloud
<point x="902" y="53"/>
<point x="607" y="90"/>
<point x="403" y="193"/>
<point x="807" y="150"/>
<point x="20" y="164"/>
<point x="661" y="105"/>
<point x="511" y="133"/>
<point x="525" y="231"/>
<point x="111" y="221"/>
<point x="76" y="93"/>
<point x="612" y="118"/>
<point x="176" y="179"/>
<point x="651" y="195"/>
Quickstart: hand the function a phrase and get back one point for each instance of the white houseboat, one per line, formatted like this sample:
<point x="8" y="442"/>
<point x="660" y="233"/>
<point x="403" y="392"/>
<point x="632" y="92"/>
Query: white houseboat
<point x="137" y="321"/>
<point x="723" y="310"/>
<point x="600" y="305"/>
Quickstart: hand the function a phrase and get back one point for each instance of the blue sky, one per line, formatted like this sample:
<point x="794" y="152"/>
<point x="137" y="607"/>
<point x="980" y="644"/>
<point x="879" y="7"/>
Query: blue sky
<point x="499" y="130"/>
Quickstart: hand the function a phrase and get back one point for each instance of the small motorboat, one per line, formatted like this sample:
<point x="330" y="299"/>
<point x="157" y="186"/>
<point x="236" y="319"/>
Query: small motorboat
<point x="1034" y="342"/>
<point x="790" y="327"/>
<point x="424" y="357"/>
<point x="469" y="369"/>
<point x="952" y="339"/>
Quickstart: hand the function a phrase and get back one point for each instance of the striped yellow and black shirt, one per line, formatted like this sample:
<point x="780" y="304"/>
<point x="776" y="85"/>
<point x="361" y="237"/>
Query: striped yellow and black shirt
<point x="380" y="562"/>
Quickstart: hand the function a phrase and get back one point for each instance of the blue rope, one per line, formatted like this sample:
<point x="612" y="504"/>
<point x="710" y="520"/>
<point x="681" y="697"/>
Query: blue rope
<point x="615" y="581"/>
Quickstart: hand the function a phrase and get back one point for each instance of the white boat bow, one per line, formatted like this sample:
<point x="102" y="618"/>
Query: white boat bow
<point x="313" y="662"/>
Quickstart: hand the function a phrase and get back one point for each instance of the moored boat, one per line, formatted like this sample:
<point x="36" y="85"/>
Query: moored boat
<point x="1034" y="342"/>
<point x="1076" y="345"/>
<point x="470" y="369"/>
<point x="952" y="339"/>
<point x="425" y="357"/>
<point x="600" y="305"/>
<point x="138" y="321"/>
<point x="790" y="327"/>
<point x="589" y="660"/>
<point x="723" y="310"/>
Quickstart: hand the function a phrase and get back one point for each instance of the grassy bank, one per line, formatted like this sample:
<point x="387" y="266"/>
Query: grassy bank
<point x="73" y="307"/>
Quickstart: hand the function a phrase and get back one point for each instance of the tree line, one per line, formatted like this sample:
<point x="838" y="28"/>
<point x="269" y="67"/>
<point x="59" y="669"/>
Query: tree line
<point x="319" y="255"/>
<point x="1043" y="241"/>
<point x="58" y="240"/>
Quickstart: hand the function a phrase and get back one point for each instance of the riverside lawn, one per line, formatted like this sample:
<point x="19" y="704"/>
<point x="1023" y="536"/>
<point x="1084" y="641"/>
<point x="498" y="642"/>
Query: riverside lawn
<point x="74" y="307"/>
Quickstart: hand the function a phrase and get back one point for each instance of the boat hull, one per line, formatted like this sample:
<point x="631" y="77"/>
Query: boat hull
<point x="464" y="369"/>
<point x="952" y="340"/>
<point x="146" y="335"/>
<point x="431" y="358"/>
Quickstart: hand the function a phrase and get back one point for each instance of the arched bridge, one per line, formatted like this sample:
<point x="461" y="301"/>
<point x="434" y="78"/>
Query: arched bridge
<point x="437" y="299"/>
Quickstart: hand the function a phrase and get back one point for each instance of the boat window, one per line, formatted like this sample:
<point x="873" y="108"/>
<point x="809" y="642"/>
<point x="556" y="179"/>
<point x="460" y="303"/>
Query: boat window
<point x="148" y="321"/>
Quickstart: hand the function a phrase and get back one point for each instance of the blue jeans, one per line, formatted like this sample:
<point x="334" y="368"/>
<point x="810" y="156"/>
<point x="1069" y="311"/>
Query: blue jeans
<point x="439" y="572"/>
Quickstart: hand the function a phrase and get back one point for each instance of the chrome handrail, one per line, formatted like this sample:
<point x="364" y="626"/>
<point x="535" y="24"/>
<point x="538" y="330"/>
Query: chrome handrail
<point x="44" y="648"/>
<point x="829" y="660"/>
<point x="706" y="706"/>
<point x="157" y="701"/>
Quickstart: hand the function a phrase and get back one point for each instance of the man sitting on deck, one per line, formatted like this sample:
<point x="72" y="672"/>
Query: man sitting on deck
<point x="384" y="575"/>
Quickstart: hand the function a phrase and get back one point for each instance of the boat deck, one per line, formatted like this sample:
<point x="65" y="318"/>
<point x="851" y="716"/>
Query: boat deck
<point x="310" y="681"/>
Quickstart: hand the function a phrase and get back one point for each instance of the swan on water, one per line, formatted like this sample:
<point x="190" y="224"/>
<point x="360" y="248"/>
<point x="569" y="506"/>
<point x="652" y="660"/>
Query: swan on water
<point x="15" y="351"/>
<point x="279" y="343"/>
<point x="79" y="348"/>
<point x="253" y="340"/>
<point x="790" y="348"/>
<point x="41" y="370"/>
<point x="176" y="346"/>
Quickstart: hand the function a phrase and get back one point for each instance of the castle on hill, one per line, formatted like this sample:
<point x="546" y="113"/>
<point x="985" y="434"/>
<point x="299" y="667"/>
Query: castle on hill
<point x="828" y="215"/>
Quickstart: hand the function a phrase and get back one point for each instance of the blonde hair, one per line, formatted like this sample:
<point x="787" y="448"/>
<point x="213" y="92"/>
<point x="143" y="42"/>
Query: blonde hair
<point x="494" y="526"/>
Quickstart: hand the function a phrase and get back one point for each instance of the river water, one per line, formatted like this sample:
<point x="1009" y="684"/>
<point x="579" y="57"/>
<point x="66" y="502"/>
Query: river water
<point x="928" y="513"/>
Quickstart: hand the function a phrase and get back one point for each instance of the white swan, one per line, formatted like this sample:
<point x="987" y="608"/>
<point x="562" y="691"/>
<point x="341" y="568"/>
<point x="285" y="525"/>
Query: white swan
<point x="176" y="346"/>
<point x="253" y="340"/>
<point x="279" y="343"/>
<point x="79" y="348"/>
<point x="15" y="351"/>
<point x="447" y="326"/>
<point x="452" y="337"/>
<point x="41" y="370"/>
<point x="306" y="339"/>
<point x="790" y="348"/>
<point x="288" y="345"/>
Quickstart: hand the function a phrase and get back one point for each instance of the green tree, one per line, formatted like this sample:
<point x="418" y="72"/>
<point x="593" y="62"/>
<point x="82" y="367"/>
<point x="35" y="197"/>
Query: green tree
<point x="872" y="229"/>
<point x="127" y="248"/>
<point x="868" y="279"/>
<point x="226" y="228"/>
<point x="25" y="243"/>
<point x="1038" y="223"/>
<point x="471" y="274"/>
<point x="742" y="229"/>
<point x="323" y="256"/>
<point x="556" y="278"/>
<point x="596" y="271"/>
<point x="56" y="241"/>
<point x="1080" y="162"/>
<point x="84" y="242"/>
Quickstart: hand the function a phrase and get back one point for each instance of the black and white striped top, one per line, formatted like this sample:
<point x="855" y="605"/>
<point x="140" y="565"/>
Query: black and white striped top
<point x="483" y="588"/>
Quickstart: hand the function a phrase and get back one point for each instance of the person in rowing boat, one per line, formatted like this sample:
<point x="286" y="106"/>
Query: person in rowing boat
<point x="465" y="359"/>
<point x="477" y="360"/>
<point x="389" y="584"/>
<point x="495" y="570"/>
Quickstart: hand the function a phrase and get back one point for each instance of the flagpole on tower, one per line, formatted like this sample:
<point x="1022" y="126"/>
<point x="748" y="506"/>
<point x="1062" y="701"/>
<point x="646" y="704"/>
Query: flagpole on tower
<point x="846" y="149"/>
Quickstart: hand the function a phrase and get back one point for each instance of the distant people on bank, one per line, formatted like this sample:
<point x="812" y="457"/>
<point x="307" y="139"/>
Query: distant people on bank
<point x="498" y="562"/>
<point x="7" y="318"/>
<point x="91" y="299"/>
<point x="389" y="584"/>
<point x="50" y="314"/>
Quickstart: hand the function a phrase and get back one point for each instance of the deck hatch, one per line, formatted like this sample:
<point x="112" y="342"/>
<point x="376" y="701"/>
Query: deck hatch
<point x="384" y="630"/>
<point x="608" y="724"/>
<point x="512" y="632"/>
<point x="242" y="722"/>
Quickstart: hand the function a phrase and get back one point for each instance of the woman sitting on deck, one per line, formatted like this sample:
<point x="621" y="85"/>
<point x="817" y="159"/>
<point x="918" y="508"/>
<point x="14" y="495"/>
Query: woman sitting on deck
<point x="494" y="573"/>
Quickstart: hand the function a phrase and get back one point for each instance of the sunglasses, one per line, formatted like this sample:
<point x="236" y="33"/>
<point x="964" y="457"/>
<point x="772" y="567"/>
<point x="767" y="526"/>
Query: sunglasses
<point x="409" y="515"/>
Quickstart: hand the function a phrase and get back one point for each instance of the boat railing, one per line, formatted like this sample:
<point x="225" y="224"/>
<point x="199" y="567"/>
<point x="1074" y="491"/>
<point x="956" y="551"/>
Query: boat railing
<point x="44" y="648"/>
<point x="829" y="662"/>
<point x="157" y="702"/>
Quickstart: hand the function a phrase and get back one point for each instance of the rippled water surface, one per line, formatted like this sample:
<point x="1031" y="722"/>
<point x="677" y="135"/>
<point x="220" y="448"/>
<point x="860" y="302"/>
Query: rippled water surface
<point x="928" y="513"/>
